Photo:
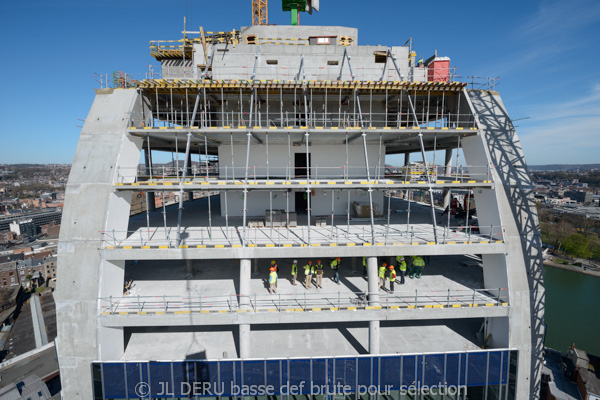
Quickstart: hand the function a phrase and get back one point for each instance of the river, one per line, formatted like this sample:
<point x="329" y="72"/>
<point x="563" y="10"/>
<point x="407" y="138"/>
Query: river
<point x="572" y="310"/>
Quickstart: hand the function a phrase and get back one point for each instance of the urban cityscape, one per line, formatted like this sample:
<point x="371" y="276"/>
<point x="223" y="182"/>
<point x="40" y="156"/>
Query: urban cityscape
<point x="280" y="210"/>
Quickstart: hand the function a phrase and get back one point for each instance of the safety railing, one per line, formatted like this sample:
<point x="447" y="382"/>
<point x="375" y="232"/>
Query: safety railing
<point x="288" y="302"/>
<point x="280" y="235"/>
<point x="300" y="119"/>
<point x="231" y="174"/>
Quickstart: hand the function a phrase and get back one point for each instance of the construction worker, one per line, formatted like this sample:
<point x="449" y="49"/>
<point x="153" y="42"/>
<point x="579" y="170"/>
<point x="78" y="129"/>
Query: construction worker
<point x="418" y="265"/>
<point x="335" y="266"/>
<point x="308" y="271"/>
<point x="319" y="271"/>
<point x="392" y="278"/>
<point x="273" y="280"/>
<point x="294" y="272"/>
<point x="410" y="265"/>
<point x="365" y="271"/>
<point x="402" y="268"/>
<point x="382" y="270"/>
<point x="274" y="265"/>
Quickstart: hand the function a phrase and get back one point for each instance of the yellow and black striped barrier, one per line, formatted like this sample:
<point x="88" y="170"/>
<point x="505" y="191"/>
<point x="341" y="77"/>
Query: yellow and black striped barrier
<point x="229" y="246"/>
<point x="309" y="309"/>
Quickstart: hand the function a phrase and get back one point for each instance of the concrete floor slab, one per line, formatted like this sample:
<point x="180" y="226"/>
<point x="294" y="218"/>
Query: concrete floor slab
<point x="302" y="340"/>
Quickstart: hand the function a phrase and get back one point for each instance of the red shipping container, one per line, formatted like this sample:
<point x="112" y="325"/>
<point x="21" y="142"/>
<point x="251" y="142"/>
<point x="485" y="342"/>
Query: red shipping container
<point x="438" y="70"/>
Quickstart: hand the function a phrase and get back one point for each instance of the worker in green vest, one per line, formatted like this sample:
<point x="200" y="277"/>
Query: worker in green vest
<point x="335" y="266"/>
<point x="402" y="268"/>
<point x="294" y="272"/>
<point x="308" y="271"/>
<point x="382" y="271"/>
<point x="418" y="265"/>
<point x="319" y="276"/>
<point x="392" y="278"/>
<point x="365" y="270"/>
<point x="273" y="281"/>
<point x="410" y="265"/>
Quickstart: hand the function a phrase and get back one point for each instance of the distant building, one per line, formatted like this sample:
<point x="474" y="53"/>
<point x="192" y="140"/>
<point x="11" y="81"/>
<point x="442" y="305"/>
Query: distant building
<point x="586" y="372"/>
<point x="8" y="274"/>
<point x="579" y="196"/>
<point x="29" y="388"/>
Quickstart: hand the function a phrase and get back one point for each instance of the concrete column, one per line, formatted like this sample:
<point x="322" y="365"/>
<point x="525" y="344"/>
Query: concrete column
<point x="244" y="334"/>
<point x="373" y="301"/>
<point x="373" y="337"/>
<point x="244" y="294"/>
<point x="148" y="163"/>
<point x="189" y="163"/>
<point x="244" y="299"/>
<point x="373" y="281"/>
<point x="448" y="171"/>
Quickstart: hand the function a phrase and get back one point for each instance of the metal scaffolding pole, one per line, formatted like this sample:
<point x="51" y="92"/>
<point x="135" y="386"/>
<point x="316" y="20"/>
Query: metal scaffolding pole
<point x="245" y="211"/>
<point x="364" y="136"/>
<point x="332" y="209"/>
<point x="180" y="210"/>
<point x="209" y="209"/>
<point x="432" y="206"/>
<point x="306" y="135"/>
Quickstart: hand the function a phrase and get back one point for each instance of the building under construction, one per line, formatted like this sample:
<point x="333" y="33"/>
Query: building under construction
<point x="282" y="134"/>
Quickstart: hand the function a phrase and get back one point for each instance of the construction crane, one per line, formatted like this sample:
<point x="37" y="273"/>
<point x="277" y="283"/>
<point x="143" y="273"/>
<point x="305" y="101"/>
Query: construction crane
<point x="260" y="15"/>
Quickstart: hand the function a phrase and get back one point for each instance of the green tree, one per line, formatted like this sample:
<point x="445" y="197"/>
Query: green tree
<point x="577" y="245"/>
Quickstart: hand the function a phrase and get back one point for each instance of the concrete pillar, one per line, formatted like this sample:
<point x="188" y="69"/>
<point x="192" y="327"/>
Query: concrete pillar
<point x="373" y="280"/>
<point x="244" y="294"/>
<point x="148" y="163"/>
<point x="373" y="337"/>
<point x="448" y="171"/>
<point x="244" y="299"/>
<point x="244" y="335"/>
<point x="373" y="301"/>
<point x="189" y="163"/>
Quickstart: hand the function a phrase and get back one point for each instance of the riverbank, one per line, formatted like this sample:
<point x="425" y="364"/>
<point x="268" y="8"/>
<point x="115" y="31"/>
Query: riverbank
<point x="572" y="268"/>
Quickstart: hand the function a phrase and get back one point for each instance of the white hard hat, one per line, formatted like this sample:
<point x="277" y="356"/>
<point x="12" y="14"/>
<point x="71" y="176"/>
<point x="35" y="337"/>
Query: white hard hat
<point x="295" y="261"/>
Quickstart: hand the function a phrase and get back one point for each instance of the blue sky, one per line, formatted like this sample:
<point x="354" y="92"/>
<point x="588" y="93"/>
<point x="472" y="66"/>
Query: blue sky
<point x="545" y="53"/>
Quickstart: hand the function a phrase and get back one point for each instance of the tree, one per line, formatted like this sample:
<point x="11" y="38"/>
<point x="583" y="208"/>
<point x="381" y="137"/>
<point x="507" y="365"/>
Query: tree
<point x="577" y="245"/>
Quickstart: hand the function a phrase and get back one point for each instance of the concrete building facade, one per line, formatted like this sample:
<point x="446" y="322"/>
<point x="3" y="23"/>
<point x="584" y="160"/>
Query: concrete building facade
<point x="273" y="120"/>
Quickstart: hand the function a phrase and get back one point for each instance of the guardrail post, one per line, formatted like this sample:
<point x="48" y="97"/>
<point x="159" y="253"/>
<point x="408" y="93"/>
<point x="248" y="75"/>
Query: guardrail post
<point x="473" y="304"/>
<point x="339" y="300"/>
<point x="254" y="305"/>
<point x="111" y="305"/>
<point x="200" y="303"/>
<point x="279" y="294"/>
<point x="498" y="299"/>
<point x="305" y="300"/>
<point x="165" y="301"/>
<point x="139" y="304"/>
<point x="491" y="232"/>
<point x="416" y="298"/>
<point x="448" y="298"/>
<point x="114" y="239"/>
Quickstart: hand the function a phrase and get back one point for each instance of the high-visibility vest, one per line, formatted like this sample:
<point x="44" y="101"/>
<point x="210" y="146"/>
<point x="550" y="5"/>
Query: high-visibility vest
<point x="319" y="268"/>
<point x="364" y="261"/>
<point x="294" y="269"/>
<point x="382" y="272"/>
<point x="273" y="277"/>
<point x="333" y="264"/>
<point x="307" y="270"/>
<point x="392" y="275"/>
<point x="400" y="259"/>
<point x="418" y="262"/>
<point x="402" y="266"/>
